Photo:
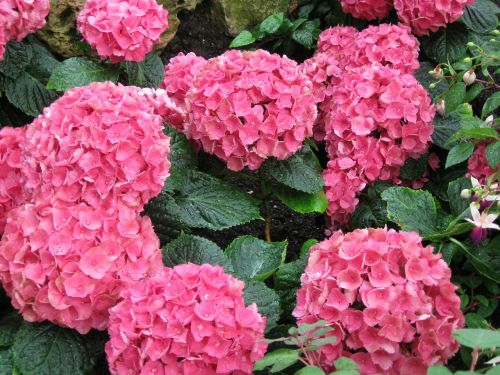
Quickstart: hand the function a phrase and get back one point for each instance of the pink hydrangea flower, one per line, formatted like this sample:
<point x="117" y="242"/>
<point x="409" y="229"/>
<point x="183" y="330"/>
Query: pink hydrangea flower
<point x="122" y="30"/>
<point x="367" y="9"/>
<point x="424" y="16"/>
<point x="478" y="166"/>
<point x="187" y="320"/>
<point x="180" y="73"/>
<point x="245" y="107"/>
<point x="12" y="192"/>
<point x="379" y="117"/>
<point x="389" y="300"/>
<point x="338" y="42"/>
<point x="19" y="18"/>
<point x="67" y="263"/>
<point x="99" y="144"/>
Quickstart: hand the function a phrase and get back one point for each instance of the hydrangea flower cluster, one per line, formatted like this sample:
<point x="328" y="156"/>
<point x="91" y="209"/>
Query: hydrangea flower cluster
<point x="180" y="73"/>
<point x="187" y="320"/>
<point x="424" y="16"/>
<point x="389" y="299"/>
<point x="380" y="118"/>
<point x="89" y="165"/>
<point x="245" y="107"/>
<point x="478" y="166"/>
<point x="11" y="178"/>
<point x="100" y="144"/>
<point x="67" y="263"/>
<point x="122" y="30"/>
<point x="367" y="9"/>
<point x="19" y="18"/>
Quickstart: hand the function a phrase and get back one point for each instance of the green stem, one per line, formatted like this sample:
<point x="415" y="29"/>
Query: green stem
<point x="267" y="207"/>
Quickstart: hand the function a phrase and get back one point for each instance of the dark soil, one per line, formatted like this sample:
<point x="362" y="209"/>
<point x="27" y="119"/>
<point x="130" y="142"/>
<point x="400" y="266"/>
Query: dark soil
<point x="197" y="33"/>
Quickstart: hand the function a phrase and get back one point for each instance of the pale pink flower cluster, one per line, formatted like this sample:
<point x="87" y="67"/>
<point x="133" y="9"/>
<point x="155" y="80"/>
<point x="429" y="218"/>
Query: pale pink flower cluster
<point x="122" y="30"/>
<point x="12" y="193"/>
<point x="245" y="107"/>
<point x="367" y="9"/>
<point x="180" y="73"/>
<point x="187" y="320"/>
<point x="19" y="18"/>
<point x="341" y="49"/>
<point x="67" y="263"/>
<point x="100" y="144"/>
<point x="389" y="300"/>
<point x="380" y="117"/>
<point x="89" y="165"/>
<point x="424" y="16"/>
<point x="478" y="166"/>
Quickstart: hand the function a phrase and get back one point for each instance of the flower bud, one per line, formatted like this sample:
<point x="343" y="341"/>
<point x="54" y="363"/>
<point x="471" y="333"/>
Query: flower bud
<point x="471" y="44"/>
<point x="469" y="77"/>
<point x="490" y="120"/>
<point x="437" y="73"/>
<point x="496" y="32"/>
<point x="440" y="107"/>
<point x="466" y="193"/>
<point x="432" y="85"/>
<point x="467" y="60"/>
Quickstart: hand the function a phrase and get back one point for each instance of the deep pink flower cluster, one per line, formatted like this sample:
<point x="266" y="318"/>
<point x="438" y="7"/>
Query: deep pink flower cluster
<point x="425" y="16"/>
<point x="89" y="165"/>
<point x="389" y="300"/>
<point x="100" y="144"/>
<point x="12" y="192"/>
<point x="245" y="107"/>
<point x="68" y="263"/>
<point x="367" y="9"/>
<point x="122" y="30"/>
<point x="478" y="166"/>
<point x="180" y="73"/>
<point x="19" y="18"/>
<point x="380" y="117"/>
<point x="187" y="320"/>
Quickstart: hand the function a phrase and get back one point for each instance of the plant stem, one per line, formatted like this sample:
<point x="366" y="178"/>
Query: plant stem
<point x="475" y="357"/>
<point x="267" y="209"/>
<point x="268" y="228"/>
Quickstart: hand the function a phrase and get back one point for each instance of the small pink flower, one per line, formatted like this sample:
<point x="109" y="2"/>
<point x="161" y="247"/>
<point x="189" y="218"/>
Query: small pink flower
<point x="397" y="314"/>
<point x="122" y="30"/>
<point x="187" y="320"/>
<point x="478" y="166"/>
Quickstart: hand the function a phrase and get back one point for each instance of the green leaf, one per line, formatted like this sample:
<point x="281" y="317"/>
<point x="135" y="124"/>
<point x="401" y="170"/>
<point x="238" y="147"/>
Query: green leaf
<point x="266" y="299"/>
<point x="493" y="154"/>
<point x="438" y="370"/>
<point x="480" y="16"/>
<point x="302" y="202"/>
<point x="473" y="92"/>
<point x="201" y="201"/>
<point x="46" y="349"/>
<point x="304" y="249"/>
<point x="445" y="127"/>
<point x="370" y="214"/>
<point x="9" y="325"/>
<point x="485" y="258"/>
<point x="310" y="370"/>
<point x="300" y="172"/>
<point x="11" y="116"/>
<point x="272" y="23"/>
<point x="491" y="104"/>
<point x="447" y="44"/>
<point x="304" y="328"/>
<point x="78" y="71"/>
<point x="425" y="79"/>
<point x="279" y="360"/>
<point x="243" y="39"/>
<point x="287" y="281"/>
<point x="194" y="249"/>
<point x="43" y="62"/>
<point x="459" y="153"/>
<point x="182" y="155"/>
<point x="29" y="95"/>
<point x="6" y="365"/>
<point x="255" y="259"/>
<point x="344" y="363"/>
<point x="457" y="203"/>
<point x="413" y="210"/>
<point x="16" y="59"/>
<point x="307" y="34"/>
<point x="478" y="338"/>
<point x="454" y="96"/>
<point x="147" y="73"/>
<point x="414" y="168"/>
<point x="477" y="133"/>
<point x="474" y="320"/>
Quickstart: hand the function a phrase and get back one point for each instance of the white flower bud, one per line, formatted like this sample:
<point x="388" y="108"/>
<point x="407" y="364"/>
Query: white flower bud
<point x="490" y="120"/>
<point x="466" y="193"/>
<point x="440" y="107"/>
<point x="469" y="77"/>
<point x="437" y="73"/>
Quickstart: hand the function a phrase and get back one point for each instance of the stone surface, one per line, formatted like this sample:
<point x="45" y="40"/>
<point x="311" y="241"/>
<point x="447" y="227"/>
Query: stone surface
<point x="238" y="15"/>
<point x="61" y="35"/>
